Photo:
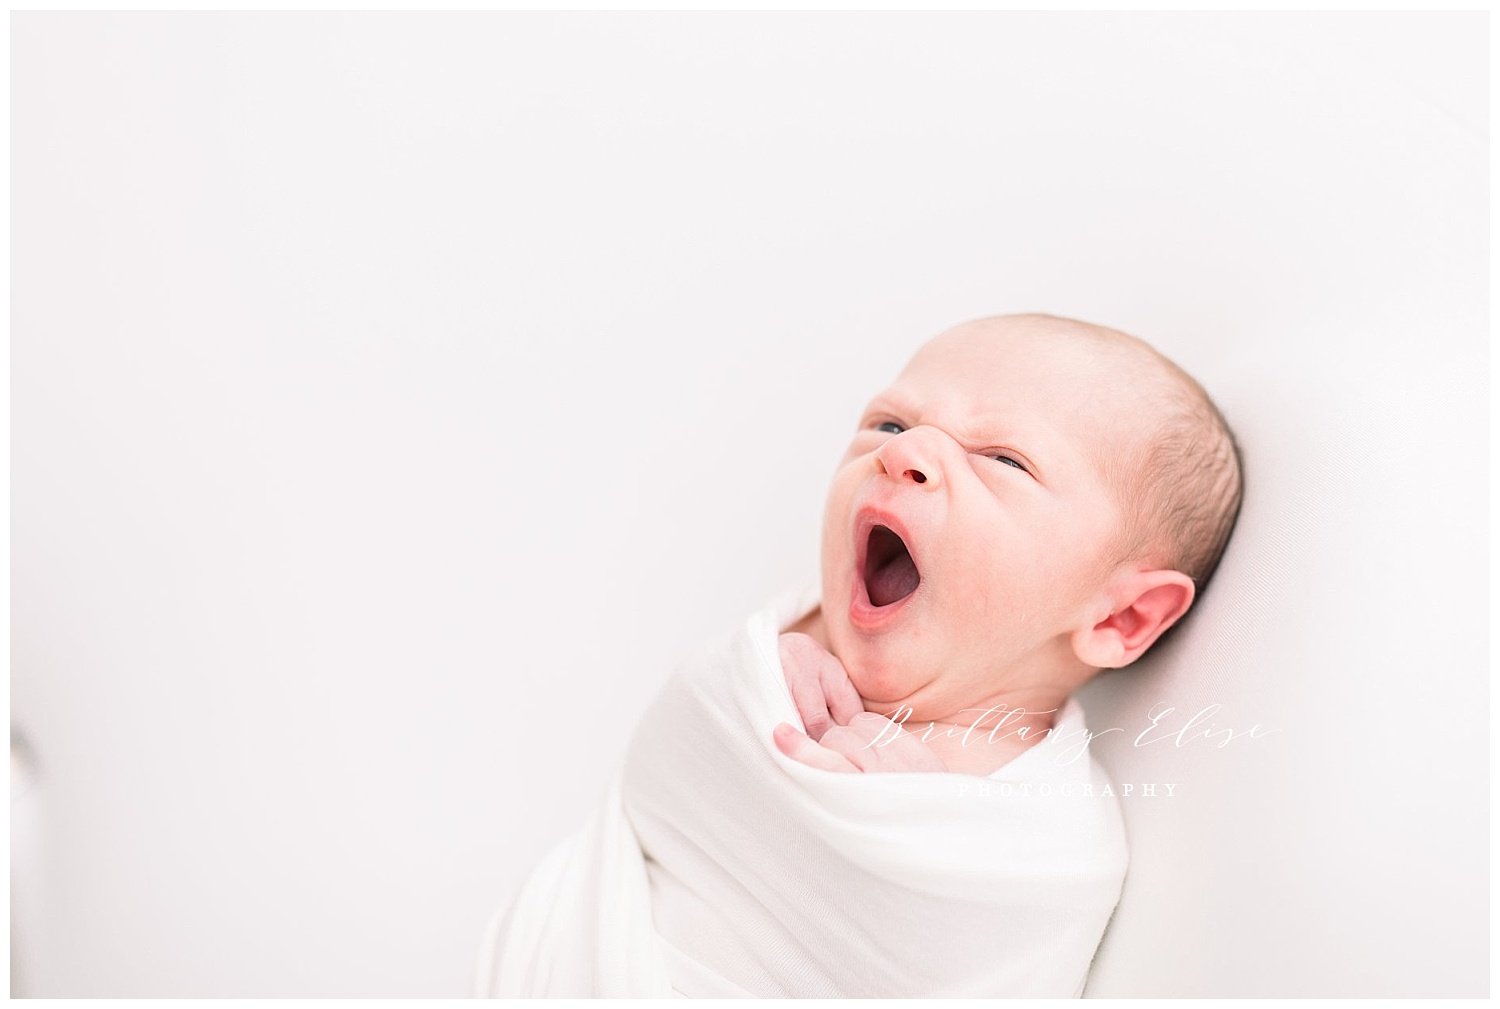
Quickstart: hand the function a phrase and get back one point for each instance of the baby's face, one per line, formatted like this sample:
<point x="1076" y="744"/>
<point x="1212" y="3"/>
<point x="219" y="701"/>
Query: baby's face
<point x="984" y="459"/>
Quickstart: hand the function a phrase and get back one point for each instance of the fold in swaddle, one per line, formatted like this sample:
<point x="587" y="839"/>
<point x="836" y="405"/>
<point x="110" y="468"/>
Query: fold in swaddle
<point x="718" y="867"/>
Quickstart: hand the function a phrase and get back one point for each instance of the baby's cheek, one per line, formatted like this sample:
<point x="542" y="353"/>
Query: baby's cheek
<point x="981" y="585"/>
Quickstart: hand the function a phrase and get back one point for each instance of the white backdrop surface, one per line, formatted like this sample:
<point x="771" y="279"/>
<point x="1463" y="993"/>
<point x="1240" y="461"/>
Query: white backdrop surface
<point x="396" y="399"/>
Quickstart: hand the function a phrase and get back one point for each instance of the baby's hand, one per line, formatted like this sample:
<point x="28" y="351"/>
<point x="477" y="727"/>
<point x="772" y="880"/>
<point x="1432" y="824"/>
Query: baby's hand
<point x="820" y="687"/>
<point x="841" y="734"/>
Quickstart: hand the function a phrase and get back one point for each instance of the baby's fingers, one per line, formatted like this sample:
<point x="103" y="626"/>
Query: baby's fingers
<point x="803" y="750"/>
<point x="803" y="661"/>
<point x="842" y="699"/>
<point x="875" y="743"/>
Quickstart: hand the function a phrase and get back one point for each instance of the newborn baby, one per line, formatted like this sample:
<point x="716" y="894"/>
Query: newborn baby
<point x="1032" y="501"/>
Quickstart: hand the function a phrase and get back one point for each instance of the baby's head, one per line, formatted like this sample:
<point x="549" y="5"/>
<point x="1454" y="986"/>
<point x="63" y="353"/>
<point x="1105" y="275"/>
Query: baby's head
<point x="1032" y="500"/>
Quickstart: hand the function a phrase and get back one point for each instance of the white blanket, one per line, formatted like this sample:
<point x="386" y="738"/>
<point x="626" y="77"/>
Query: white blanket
<point x="718" y="867"/>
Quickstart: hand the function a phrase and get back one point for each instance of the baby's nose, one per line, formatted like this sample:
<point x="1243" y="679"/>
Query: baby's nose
<point x="911" y="455"/>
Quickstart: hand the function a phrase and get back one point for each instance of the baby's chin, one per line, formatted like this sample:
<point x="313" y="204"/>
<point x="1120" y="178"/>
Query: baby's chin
<point x="884" y="669"/>
<point x="909" y="661"/>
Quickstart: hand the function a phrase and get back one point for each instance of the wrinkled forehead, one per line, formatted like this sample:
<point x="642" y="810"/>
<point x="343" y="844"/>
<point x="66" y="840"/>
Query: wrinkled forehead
<point x="1068" y="374"/>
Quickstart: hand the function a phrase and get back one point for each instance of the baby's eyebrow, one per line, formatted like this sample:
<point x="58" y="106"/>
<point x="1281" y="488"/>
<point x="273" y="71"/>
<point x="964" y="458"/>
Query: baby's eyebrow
<point x="888" y="402"/>
<point x="1035" y="444"/>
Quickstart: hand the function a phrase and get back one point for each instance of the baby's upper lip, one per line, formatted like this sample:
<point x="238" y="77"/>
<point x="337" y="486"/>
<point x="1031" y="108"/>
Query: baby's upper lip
<point x="867" y="518"/>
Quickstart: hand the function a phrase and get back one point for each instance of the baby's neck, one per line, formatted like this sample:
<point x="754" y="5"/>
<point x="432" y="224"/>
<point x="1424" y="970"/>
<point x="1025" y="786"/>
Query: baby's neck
<point x="962" y="746"/>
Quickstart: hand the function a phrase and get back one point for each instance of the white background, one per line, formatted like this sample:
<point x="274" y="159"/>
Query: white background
<point x="396" y="399"/>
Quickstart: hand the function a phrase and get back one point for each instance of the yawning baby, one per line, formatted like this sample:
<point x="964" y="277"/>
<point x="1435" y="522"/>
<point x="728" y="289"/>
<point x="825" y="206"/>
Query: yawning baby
<point x="856" y="795"/>
<point x="1033" y="500"/>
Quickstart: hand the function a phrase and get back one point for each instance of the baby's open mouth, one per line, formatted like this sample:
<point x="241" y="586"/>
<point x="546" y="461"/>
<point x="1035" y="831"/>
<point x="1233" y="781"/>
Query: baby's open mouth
<point x="890" y="573"/>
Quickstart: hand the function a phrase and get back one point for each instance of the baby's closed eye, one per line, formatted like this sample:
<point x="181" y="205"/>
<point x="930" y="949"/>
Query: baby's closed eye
<point x="898" y="429"/>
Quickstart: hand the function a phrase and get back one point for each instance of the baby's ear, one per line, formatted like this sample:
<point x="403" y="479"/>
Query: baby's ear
<point x="1141" y="610"/>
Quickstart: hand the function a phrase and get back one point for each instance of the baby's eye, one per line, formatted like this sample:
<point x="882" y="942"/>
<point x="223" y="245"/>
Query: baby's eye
<point x="1009" y="461"/>
<point x="890" y="423"/>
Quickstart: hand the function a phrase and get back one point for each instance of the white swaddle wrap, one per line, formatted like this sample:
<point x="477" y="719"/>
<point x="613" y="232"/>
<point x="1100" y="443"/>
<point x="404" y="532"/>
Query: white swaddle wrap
<point x="718" y="867"/>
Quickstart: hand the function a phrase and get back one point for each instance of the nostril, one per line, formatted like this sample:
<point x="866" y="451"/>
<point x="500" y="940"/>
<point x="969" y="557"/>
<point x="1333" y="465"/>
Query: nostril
<point x="917" y="476"/>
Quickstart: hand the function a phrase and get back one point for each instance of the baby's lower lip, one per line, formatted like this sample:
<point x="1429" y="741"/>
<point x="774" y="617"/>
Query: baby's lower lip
<point x="865" y="616"/>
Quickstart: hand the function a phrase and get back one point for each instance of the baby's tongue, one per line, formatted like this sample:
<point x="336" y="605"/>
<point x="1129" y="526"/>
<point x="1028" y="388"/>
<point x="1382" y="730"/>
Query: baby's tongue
<point x="894" y="581"/>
